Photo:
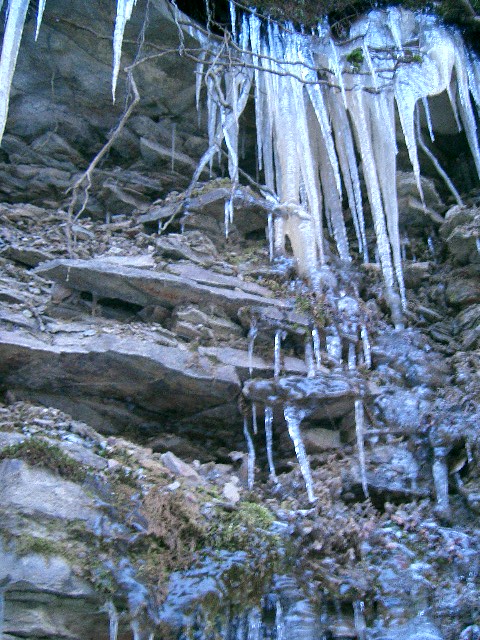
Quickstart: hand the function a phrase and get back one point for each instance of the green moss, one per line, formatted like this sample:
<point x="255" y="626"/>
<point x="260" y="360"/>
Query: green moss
<point x="246" y="529"/>
<point x="38" y="453"/>
<point x="26" y="544"/>
<point x="355" y="58"/>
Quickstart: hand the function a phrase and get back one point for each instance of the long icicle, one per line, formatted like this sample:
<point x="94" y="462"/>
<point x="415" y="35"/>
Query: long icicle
<point x="17" y="11"/>
<point x="359" y="428"/>
<point x="294" y="417"/>
<point x="251" y="455"/>
<point x="124" y="13"/>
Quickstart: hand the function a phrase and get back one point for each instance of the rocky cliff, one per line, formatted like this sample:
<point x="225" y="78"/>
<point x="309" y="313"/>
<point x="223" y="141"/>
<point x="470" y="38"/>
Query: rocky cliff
<point x="193" y="441"/>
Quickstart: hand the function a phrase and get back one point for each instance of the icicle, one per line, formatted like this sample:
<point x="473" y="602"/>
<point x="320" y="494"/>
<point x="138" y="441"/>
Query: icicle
<point x="294" y="417"/>
<point x="233" y="20"/>
<point x="367" y="351"/>
<point x="2" y="610"/>
<point x="440" y="477"/>
<point x="269" y="441"/>
<point x="124" y="13"/>
<point x="334" y="346"/>
<point x="279" y="336"/>
<point x="40" y="10"/>
<point x="251" y="455"/>
<point x="17" y="11"/>
<point x="359" y="428"/>
<point x="254" y="624"/>
<point x="228" y="218"/>
<point x="174" y="131"/>
<point x="279" y="622"/>
<point x="254" y="418"/>
<point x="437" y="165"/>
<point x="309" y="361"/>
<point x="352" y="357"/>
<point x="252" y="334"/>
<point x="270" y="236"/>
<point x="110" y="608"/>
<point x="359" y="619"/>
<point x="199" y="70"/>
<point x="477" y="242"/>
<point x="428" y="118"/>
<point x="468" y="449"/>
<point x="335" y="66"/>
<point x="316" y="347"/>
<point x="431" y="246"/>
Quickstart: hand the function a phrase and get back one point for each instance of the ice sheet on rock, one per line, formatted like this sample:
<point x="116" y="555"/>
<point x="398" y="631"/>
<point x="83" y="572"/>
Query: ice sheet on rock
<point x="254" y="625"/>
<point x="17" y="11"/>
<point x="294" y="416"/>
<point x="124" y="13"/>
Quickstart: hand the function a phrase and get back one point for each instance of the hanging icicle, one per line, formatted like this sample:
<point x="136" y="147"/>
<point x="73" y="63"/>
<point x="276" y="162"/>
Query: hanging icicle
<point x="124" y="13"/>
<point x="251" y="455"/>
<point x="360" y="428"/>
<point x="269" y="441"/>
<point x="17" y="11"/>
<point x="294" y="417"/>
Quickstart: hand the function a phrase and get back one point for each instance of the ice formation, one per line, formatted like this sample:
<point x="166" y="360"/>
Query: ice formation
<point x="317" y="112"/>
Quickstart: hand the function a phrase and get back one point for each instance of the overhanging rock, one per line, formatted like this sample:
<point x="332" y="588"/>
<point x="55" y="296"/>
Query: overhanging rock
<point x="146" y="287"/>
<point x="115" y="382"/>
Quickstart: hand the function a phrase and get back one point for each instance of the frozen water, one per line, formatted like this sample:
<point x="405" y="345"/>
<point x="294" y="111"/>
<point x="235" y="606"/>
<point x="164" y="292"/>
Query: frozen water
<point x="316" y="347"/>
<point x="17" y="11"/>
<point x="360" y="428"/>
<point x="269" y="440"/>
<point x="251" y="455"/>
<point x="294" y="416"/>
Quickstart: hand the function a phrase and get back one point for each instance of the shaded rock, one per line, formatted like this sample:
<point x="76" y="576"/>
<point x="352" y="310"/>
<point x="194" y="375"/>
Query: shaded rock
<point x="210" y="202"/>
<point x="105" y="380"/>
<point x="192" y="246"/>
<point x="462" y="291"/>
<point x="318" y="440"/>
<point x="179" y="467"/>
<point x="461" y="232"/>
<point x="411" y="209"/>
<point x="194" y="324"/>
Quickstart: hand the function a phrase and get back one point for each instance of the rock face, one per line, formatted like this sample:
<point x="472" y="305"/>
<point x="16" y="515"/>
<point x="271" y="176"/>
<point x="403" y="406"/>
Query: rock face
<point x="149" y="474"/>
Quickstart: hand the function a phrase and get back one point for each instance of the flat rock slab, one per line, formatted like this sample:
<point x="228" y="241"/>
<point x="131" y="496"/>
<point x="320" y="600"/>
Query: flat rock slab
<point x="144" y="287"/>
<point x="130" y="375"/>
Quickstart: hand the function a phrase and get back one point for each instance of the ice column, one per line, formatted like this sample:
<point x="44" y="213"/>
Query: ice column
<point x="294" y="417"/>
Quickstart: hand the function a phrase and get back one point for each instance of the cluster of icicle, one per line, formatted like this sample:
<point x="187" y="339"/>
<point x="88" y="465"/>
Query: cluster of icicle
<point x="317" y="112"/>
<point x="16" y="13"/>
